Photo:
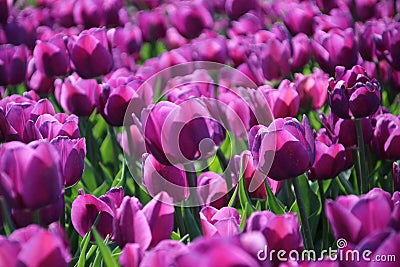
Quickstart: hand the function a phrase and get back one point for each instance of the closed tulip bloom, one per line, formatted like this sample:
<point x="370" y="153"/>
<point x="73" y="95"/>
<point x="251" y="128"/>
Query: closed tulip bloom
<point x="127" y="39"/>
<point x="299" y="17"/>
<point x="58" y="125"/>
<point x="164" y="254"/>
<point x="77" y="95"/>
<point x="274" y="58"/>
<point x="354" y="217"/>
<point x="160" y="211"/>
<point x="301" y="51"/>
<point x="391" y="42"/>
<point x="353" y="93"/>
<point x="90" y="53"/>
<point x="284" y="140"/>
<point x="312" y="88"/>
<point x="335" y="48"/>
<point x="224" y="222"/>
<point x="190" y="19"/>
<point x="86" y="209"/>
<point x="337" y="18"/>
<point x="13" y="64"/>
<point x="131" y="224"/>
<point x="282" y="232"/>
<point x="212" y="190"/>
<point x="330" y="158"/>
<point x="158" y="177"/>
<point x="367" y="33"/>
<point x="284" y="101"/>
<point x="73" y="152"/>
<point x="386" y="136"/>
<point x="37" y="80"/>
<point x="152" y="23"/>
<point x="51" y="57"/>
<point x="5" y="6"/>
<point x="210" y="49"/>
<point x="236" y="8"/>
<point x="131" y="255"/>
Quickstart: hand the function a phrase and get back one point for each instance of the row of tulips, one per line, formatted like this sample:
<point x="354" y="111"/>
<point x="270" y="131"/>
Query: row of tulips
<point x="125" y="140"/>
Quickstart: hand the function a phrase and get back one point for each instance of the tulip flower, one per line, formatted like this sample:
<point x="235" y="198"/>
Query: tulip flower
<point x="164" y="254"/>
<point x="77" y="95"/>
<point x="390" y="45"/>
<point x="190" y="19"/>
<point x="90" y="54"/>
<point x="299" y="17"/>
<point x="236" y="8"/>
<point x="353" y="93"/>
<point x="58" y="125"/>
<point x="335" y="48"/>
<point x="312" y="88"/>
<point x="131" y="255"/>
<point x="284" y="101"/>
<point x="133" y="146"/>
<point x="367" y="45"/>
<point x="13" y="64"/>
<point x="224" y="222"/>
<point x="152" y="23"/>
<point x="354" y="217"/>
<point x="157" y="177"/>
<point x="51" y="57"/>
<point x="282" y="232"/>
<point x="5" y="6"/>
<point x="301" y="51"/>
<point x="210" y="49"/>
<point x="345" y="130"/>
<point x="127" y="39"/>
<point x="73" y="154"/>
<point x="173" y="39"/>
<point x="275" y="64"/>
<point x="337" y="18"/>
<point x="146" y="4"/>
<point x="386" y="136"/>
<point x="330" y="158"/>
<point x="212" y="190"/>
<point x="284" y="140"/>
<point x="37" y="80"/>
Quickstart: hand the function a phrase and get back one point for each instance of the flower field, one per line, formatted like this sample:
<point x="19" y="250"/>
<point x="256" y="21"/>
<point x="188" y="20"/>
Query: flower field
<point x="169" y="133"/>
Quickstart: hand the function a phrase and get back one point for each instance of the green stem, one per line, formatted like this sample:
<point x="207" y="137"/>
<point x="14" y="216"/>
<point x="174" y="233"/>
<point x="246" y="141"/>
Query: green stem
<point x="303" y="216"/>
<point x="115" y="147"/>
<point x="362" y="161"/>
<point x="192" y="182"/>
<point x="179" y="221"/>
<point x="324" y="220"/>
<point x="346" y="184"/>
<point x="222" y="159"/>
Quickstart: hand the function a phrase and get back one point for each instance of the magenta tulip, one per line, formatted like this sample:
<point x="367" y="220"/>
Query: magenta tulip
<point x="224" y="222"/>
<point x="312" y="89"/>
<point x="13" y="64"/>
<point x="212" y="190"/>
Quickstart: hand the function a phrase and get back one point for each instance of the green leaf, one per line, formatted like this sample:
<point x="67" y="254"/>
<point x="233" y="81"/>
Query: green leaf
<point x="84" y="245"/>
<point x="106" y="150"/>
<point x="104" y="250"/>
<point x="273" y="202"/>
<point x="190" y="224"/>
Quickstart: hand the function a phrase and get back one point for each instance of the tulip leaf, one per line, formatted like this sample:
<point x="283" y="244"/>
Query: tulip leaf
<point x="273" y="202"/>
<point x="190" y="224"/>
<point x="84" y="245"/>
<point x="104" y="250"/>
<point x="234" y="196"/>
<point x="106" y="150"/>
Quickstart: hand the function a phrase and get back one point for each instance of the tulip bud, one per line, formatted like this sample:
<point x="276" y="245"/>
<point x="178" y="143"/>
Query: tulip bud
<point x="212" y="190"/>
<point x="224" y="222"/>
<point x="152" y="23"/>
<point x="386" y="136"/>
<point x="236" y="8"/>
<point x="164" y="253"/>
<point x="312" y="88"/>
<point x="131" y="256"/>
<point x="13" y="63"/>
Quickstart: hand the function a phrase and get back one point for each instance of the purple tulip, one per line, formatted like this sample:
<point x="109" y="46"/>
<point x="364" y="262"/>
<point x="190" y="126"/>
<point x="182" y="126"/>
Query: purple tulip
<point x="146" y="4"/>
<point x="77" y="95"/>
<point x="236" y="8"/>
<point x="337" y="18"/>
<point x="212" y="252"/>
<point x="335" y="48"/>
<point x="131" y="225"/>
<point x="212" y="190"/>
<point x="190" y="19"/>
<point x="354" y="217"/>
<point x="284" y="101"/>
<point x="24" y="247"/>
<point x="88" y="13"/>
<point x="159" y="211"/>
<point x="158" y="177"/>
<point x="37" y="80"/>
<point x="330" y="158"/>
<point x="210" y="49"/>
<point x="224" y="222"/>
<point x="396" y="176"/>
<point x="299" y="17"/>
<point x="364" y="9"/>
<point x="152" y="23"/>
<point x="127" y="39"/>
<point x="137" y="148"/>
<point x="187" y="125"/>
<point x="247" y="24"/>
<point x="5" y="6"/>
<point x="58" y="125"/>
<point x="284" y="140"/>
<point x="367" y="33"/>
<point x="85" y="210"/>
<point x="353" y="93"/>
<point x="72" y="153"/>
<point x="312" y="88"/>
<point x="274" y="57"/>
<point x="62" y="12"/>
<point x="386" y="136"/>
<point x="90" y="53"/>
<point x="131" y="255"/>
<point x="51" y="57"/>
<point x="12" y="64"/>
<point x="391" y="43"/>
<point x="173" y="39"/>
<point x="21" y="28"/>
<point x="282" y="232"/>
<point x="164" y="254"/>
<point x="301" y="51"/>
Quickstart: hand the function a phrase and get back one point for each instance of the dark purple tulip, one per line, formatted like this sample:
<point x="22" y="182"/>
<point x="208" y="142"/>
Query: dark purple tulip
<point x="158" y="177"/>
<point x="301" y="51"/>
<point x="12" y="64"/>
<point x="364" y="9"/>
<point x="130" y="225"/>
<point x="312" y="88"/>
<point x="164" y="254"/>
<point x="38" y="81"/>
<point x="73" y="152"/>
<point x="236" y="8"/>
<point x="284" y="101"/>
<point x="90" y="53"/>
<point x="190" y="19"/>
<point x="62" y="12"/>
<point x="238" y="47"/>
<point x="131" y="256"/>
<point x="127" y="39"/>
<point x="282" y="232"/>
<point x="346" y="131"/>
<point x="299" y="17"/>
<point x="330" y="158"/>
<point x="212" y="190"/>
<point x="336" y="19"/>
<point x="210" y="49"/>
<point x="355" y="217"/>
<point x="367" y="33"/>
<point x="5" y="6"/>
<point x="353" y="93"/>
<point x="335" y="48"/>
<point x="284" y="140"/>
<point x="224" y="222"/>
<point x="396" y="176"/>
<point x="152" y="23"/>
<point x="391" y="42"/>
<point x="21" y="29"/>
<point x="26" y="245"/>
<point x="51" y="57"/>
<point x="77" y="95"/>
<point x="160" y="211"/>
<point x="274" y="58"/>
<point x="96" y="13"/>
<point x="85" y="210"/>
<point x="247" y="24"/>
<point x="58" y="125"/>
<point x="213" y="252"/>
<point x="386" y="136"/>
